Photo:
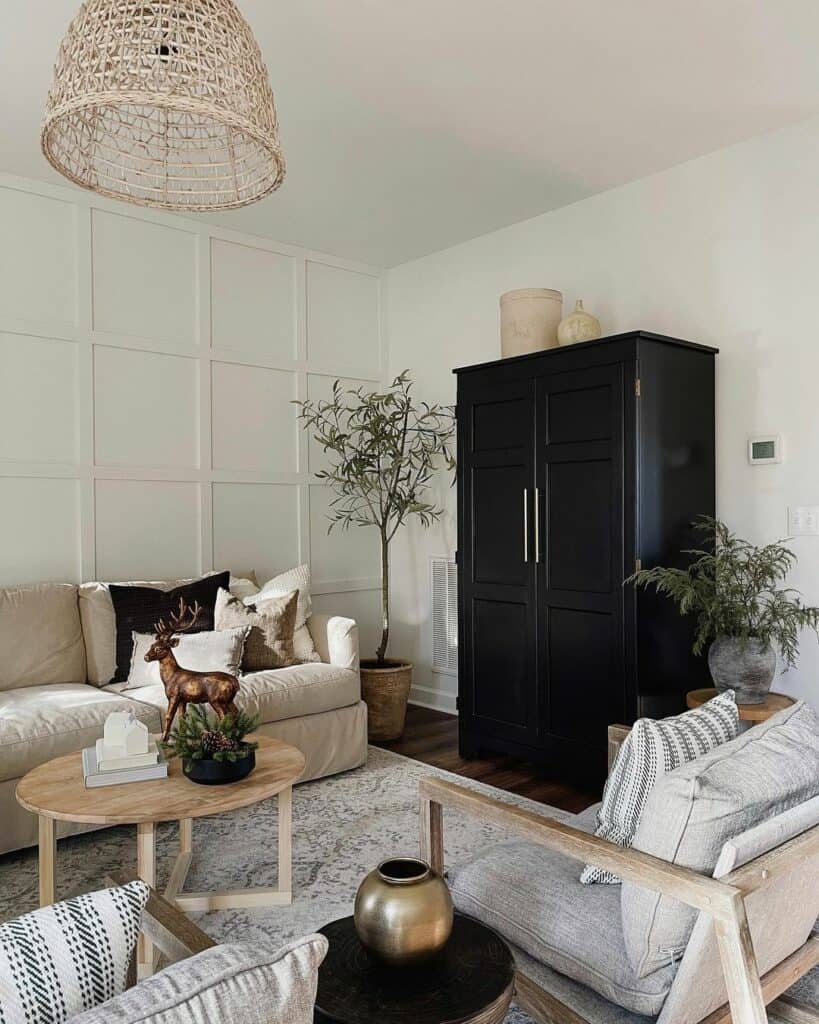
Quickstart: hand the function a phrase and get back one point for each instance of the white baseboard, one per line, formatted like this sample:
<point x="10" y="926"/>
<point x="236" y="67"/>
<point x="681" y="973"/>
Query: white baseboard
<point x="427" y="697"/>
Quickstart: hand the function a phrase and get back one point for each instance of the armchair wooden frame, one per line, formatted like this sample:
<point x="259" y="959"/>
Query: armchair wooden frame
<point x="724" y="899"/>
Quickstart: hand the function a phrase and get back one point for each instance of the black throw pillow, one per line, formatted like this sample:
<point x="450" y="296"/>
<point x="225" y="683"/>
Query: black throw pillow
<point x="138" y="608"/>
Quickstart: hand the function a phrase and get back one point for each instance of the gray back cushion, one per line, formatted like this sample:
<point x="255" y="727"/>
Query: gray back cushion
<point x="695" y="809"/>
<point x="239" y="982"/>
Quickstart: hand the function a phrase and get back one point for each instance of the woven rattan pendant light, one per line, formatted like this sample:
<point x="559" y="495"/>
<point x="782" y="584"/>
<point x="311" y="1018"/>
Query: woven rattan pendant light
<point x="164" y="103"/>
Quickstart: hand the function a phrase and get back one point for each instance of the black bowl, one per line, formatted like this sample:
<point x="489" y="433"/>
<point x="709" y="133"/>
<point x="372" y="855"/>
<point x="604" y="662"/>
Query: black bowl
<point x="218" y="773"/>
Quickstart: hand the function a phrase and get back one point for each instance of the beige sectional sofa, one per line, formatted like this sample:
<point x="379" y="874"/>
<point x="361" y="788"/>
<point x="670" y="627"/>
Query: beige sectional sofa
<point x="55" y="636"/>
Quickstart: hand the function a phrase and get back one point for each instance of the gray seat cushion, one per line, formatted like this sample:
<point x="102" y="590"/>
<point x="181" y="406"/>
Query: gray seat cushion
<point x="534" y="898"/>
<point x="694" y="810"/>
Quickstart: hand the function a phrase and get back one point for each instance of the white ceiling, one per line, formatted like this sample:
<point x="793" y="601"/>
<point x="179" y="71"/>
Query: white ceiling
<point x="410" y="126"/>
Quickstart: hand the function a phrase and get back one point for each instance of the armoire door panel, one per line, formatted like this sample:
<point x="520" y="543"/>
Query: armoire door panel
<point x="500" y="632"/>
<point x="501" y="424"/>
<point x="498" y="524"/>
<point x="579" y="470"/>
<point x="583" y="660"/>
<point x="579" y="414"/>
<point x="579" y="526"/>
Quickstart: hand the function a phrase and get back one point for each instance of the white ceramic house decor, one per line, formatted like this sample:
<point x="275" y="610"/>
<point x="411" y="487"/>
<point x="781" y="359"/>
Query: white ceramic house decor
<point x="124" y="736"/>
<point x="164" y="104"/>
<point x="529" y="319"/>
<point x="578" y="326"/>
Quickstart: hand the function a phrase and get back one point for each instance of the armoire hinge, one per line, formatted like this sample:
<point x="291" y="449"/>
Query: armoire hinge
<point x="638" y="565"/>
<point x="637" y="389"/>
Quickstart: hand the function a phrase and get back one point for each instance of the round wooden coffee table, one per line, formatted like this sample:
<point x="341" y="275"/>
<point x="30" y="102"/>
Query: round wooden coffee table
<point x="469" y="982"/>
<point x="747" y="712"/>
<point x="55" y="791"/>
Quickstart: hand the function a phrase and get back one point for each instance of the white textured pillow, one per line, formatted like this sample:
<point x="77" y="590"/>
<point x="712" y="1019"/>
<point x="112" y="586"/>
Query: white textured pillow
<point x="72" y="956"/>
<point x="217" y="651"/>
<point x="230" y="983"/>
<point x="279" y="586"/>
<point x="650" y="750"/>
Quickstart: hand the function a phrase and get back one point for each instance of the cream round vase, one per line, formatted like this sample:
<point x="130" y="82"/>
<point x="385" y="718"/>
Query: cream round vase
<point x="578" y="326"/>
<point x="529" y="319"/>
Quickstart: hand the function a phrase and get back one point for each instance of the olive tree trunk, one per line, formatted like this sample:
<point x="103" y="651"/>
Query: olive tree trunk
<point x="385" y="598"/>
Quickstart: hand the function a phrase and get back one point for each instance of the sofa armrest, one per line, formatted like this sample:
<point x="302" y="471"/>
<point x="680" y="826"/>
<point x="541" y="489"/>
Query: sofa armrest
<point x="336" y="639"/>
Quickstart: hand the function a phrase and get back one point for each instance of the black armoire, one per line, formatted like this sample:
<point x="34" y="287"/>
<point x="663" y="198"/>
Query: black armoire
<point x="576" y="466"/>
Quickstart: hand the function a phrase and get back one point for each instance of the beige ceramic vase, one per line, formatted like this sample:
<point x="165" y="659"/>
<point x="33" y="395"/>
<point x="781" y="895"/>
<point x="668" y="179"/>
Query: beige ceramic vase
<point x="578" y="326"/>
<point x="529" y="319"/>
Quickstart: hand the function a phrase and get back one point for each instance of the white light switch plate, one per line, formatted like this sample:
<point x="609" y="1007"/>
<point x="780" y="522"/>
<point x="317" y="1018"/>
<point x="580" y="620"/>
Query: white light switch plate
<point x="803" y="520"/>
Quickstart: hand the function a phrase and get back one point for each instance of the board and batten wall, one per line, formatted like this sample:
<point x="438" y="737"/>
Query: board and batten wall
<point x="148" y="365"/>
<point x="722" y="250"/>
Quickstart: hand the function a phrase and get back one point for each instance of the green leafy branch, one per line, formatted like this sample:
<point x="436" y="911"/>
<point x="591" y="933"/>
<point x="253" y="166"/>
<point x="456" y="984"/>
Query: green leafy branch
<point x="197" y="735"/>
<point x="734" y="589"/>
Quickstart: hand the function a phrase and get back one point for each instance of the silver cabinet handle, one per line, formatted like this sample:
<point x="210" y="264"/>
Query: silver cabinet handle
<point x="525" y="524"/>
<point x="537" y="524"/>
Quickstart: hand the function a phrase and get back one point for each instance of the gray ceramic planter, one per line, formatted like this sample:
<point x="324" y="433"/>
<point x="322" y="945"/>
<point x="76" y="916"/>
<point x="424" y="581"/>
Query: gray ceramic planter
<point x="745" y="666"/>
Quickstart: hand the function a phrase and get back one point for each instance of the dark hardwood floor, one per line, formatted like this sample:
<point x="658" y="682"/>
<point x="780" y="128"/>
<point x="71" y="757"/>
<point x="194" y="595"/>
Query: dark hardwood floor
<point x="432" y="737"/>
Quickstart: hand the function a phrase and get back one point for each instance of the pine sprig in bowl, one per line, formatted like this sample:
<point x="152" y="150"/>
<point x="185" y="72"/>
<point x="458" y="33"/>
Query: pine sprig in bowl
<point x="213" y="750"/>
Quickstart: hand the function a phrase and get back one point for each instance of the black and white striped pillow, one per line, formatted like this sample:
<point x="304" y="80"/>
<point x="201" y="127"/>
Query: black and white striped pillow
<point x="650" y="750"/>
<point x="69" y="957"/>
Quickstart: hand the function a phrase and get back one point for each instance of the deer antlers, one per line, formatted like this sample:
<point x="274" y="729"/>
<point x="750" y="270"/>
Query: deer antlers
<point x="176" y="620"/>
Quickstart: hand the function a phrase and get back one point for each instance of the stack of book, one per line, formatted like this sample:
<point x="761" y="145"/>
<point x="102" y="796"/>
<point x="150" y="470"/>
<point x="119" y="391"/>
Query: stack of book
<point x="102" y="770"/>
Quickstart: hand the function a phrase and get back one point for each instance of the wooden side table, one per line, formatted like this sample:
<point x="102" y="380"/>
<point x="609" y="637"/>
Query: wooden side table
<point x="55" y="791"/>
<point x="747" y="712"/>
<point x="469" y="982"/>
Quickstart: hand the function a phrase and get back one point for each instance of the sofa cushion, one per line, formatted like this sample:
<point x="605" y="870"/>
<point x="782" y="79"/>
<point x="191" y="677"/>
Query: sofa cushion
<point x="694" y="810"/>
<point x="270" y="624"/>
<point x="278" y="694"/>
<point x="294" y="579"/>
<point x="40" y="636"/>
<point x="41" y="722"/>
<point x="71" y="956"/>
<point x="227" y="983"/>
<point x="534" y="898"/>
<point x="219" y="650"/>
<point x="651" y="749"/>
<point x="99" y="623"/>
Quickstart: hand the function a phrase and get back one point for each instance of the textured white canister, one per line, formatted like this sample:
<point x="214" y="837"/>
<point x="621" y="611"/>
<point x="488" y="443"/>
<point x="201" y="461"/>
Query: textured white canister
<point x="529" y="319"/>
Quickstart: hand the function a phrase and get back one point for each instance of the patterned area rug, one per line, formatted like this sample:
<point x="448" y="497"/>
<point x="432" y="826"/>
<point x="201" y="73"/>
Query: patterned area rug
<point x="342" y="827"/>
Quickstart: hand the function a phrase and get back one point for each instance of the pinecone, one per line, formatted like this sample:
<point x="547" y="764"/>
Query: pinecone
<point x="212" y="740"/>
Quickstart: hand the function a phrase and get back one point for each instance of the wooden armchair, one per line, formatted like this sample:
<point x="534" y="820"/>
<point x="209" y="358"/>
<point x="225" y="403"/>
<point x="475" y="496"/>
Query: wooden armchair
<point x="746" y="917"/>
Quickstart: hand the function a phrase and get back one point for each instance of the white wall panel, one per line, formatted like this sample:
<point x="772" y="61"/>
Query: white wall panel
<point x="342" y="316"/>
<point x="343" y="554"/>
<point x="256" y="526"/>
<point x="147" y="529"/>
<point x="150" y="363"/>
<point x="253" y="419"/>
<point x="253" y="301"/>
<point x="38" y="399"/>
<point x="146" y="408"/>
<point x="362" y="605"/>
<point x="144" y="279"/>
<point x="38" y="258"/>
<point x="39" y="530"/>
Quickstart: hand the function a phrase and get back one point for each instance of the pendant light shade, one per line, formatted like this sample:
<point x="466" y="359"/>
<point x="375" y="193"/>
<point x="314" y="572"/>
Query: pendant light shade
<point x="164" y="103"/>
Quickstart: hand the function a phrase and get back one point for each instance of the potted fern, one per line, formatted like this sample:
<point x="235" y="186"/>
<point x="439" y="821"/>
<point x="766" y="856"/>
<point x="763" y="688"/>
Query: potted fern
<point x="214" y="750"/>
<point x="383" y="448"/>
<point x="742" y="609"/>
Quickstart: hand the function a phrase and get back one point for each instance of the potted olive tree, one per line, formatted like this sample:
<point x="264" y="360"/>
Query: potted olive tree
<point x="383" y="448"/>
<point x="735" y="591"/>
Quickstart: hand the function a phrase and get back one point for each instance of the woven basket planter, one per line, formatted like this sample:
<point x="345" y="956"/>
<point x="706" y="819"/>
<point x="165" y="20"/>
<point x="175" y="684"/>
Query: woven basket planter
<point x="385" y="691"/>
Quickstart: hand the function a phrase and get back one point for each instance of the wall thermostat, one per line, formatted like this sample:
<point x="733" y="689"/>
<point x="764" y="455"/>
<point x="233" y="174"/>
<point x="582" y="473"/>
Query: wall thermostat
<point x="764" y="450"/>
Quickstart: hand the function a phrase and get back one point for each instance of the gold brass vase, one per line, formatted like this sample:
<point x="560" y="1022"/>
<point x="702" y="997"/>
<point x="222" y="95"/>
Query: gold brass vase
<point x="403" y="911"/>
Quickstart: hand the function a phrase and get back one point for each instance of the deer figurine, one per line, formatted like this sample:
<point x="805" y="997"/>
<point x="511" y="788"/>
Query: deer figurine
<point x="183" y="687"/>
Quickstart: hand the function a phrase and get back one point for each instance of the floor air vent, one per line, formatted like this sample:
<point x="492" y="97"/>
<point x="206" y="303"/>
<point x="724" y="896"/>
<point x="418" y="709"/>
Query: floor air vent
<point x="444" y="615"/>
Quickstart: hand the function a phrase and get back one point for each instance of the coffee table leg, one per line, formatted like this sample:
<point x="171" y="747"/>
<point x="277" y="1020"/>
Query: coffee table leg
<point x="285" y="879"/>
<point x="146" y="869"/>
<point x="48" y="857"/>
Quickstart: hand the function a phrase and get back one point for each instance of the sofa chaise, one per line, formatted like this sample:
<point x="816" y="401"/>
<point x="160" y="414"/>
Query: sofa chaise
<point x="52" y="639"/>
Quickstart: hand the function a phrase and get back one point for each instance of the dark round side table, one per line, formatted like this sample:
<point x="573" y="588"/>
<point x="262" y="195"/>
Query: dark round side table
<point x="469" y="982"/>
